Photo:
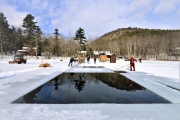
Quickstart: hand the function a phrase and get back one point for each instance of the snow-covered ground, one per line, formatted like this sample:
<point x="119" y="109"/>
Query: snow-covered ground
<point x="19" y="79"/>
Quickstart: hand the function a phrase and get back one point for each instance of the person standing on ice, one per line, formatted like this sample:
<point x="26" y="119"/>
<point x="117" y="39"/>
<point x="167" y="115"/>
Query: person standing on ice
<point x="88" y="58"/>
<point x="70" y="62"/>
<point x="132" y="63"/>
<point x="94" y="59"/>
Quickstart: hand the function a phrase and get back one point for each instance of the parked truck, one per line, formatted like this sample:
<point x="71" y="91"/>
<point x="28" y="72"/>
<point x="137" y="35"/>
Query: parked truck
<point x="18" y="59"/>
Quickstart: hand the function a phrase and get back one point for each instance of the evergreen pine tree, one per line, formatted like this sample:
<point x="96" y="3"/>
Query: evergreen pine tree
<point x="38" y="41"/>
<point x="56" y="33"/>
<point x="56" y="46"/>
<point x="4" y="30"/>
<point x="80" y="36"/>
<point x="29" y="32"/>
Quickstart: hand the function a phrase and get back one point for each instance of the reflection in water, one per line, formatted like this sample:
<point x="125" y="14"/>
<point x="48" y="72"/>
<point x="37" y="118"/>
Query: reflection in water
<point x="79" y="85"/>
<point x="29" y="98"/>
<point x="79" y="81"/>
<point x="118" y="81"/>
<point x="90" y="88"/>
<point x="56" y="84"/>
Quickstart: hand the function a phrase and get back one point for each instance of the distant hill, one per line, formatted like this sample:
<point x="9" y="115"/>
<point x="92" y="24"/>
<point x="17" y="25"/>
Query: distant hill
<point x="145" y="43"/>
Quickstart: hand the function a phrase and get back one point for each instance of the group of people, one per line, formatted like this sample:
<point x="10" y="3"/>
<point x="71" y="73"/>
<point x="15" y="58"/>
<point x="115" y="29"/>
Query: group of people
<point x="88" y="60"/>
<point x="132" y="62"/>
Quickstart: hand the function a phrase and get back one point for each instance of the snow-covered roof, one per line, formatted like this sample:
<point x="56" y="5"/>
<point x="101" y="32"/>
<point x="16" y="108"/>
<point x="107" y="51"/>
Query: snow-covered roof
<point x="24" y="48"/>
<point x="96" y="52"/>
<point x="81" y="51"/>
<point x="22" y="51"/>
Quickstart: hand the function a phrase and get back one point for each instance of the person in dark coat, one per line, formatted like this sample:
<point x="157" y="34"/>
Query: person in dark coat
<point x="88" y="58"/>
<point x="140" y="60"/>
<point x="132" y="63"/>
<point x="94" y="59"/>
<point x="71" y="62"/>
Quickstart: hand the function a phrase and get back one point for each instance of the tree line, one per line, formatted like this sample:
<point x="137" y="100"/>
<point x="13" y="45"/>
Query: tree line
<point x="30" y="36"/>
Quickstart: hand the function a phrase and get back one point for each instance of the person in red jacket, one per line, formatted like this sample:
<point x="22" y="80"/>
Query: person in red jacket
<point x="132" y="63"/>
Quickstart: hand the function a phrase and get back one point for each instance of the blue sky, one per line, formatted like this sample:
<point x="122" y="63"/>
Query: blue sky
<point x="96" y="17"/>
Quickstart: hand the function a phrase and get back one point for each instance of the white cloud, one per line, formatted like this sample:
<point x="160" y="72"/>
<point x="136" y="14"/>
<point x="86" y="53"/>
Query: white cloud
<point x="165" y="6"/>
<point x="39" y="20"/>
<point x="39" y="5"/>
<point x="139" y="6"/>
<point x="55" y="22"/>
<point x="96" y="16"/>
<point x="99" y="17"/>
<point x="13" y="16"/>
<point x="92" y="16"/>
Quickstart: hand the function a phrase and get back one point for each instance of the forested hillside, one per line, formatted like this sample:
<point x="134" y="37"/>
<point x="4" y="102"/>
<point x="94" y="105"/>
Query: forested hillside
<point x="145" y="43"/>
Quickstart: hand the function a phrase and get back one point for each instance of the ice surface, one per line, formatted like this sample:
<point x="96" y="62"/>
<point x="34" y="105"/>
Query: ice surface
<point x="17" y="80"/>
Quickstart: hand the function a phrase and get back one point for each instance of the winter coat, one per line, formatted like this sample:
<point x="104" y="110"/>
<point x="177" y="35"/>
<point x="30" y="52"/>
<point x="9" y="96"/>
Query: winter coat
<point x="71" y="60"/>
<point x="132" y="60"/>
